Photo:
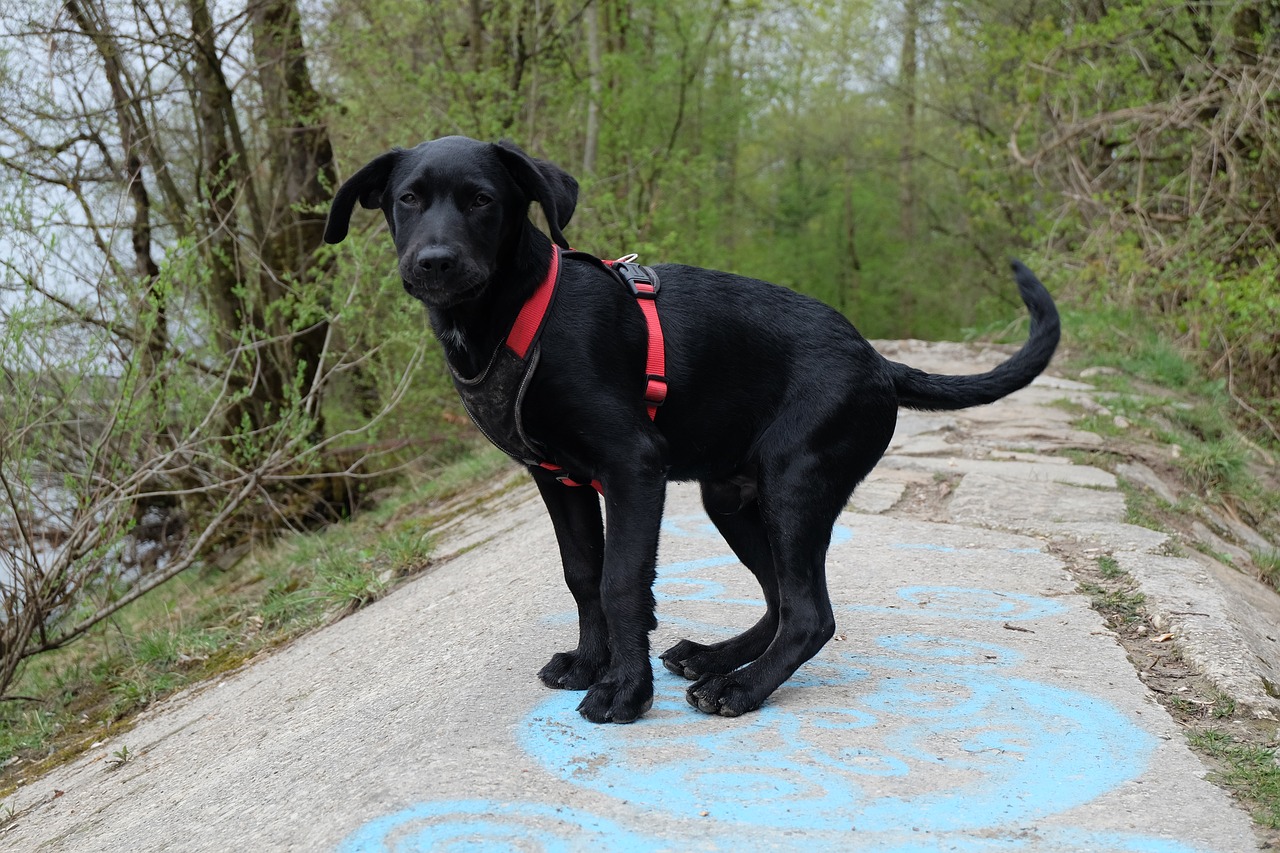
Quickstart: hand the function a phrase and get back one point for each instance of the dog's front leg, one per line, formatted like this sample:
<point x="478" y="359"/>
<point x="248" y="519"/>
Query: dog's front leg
<point x="575" y="515"/>
<point x="633" y="503"/>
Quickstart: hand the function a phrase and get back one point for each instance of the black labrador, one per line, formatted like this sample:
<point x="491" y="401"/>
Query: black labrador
<point x="777" y="406"/>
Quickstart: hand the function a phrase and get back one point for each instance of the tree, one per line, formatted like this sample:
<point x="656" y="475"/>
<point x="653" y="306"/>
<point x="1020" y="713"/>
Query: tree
<point x="165" y="344"/>
<point x="907" y="72"/>
<point x="1162" y="149"/>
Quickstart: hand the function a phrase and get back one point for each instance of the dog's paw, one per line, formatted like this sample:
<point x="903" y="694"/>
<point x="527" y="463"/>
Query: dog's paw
<point x="572" y="671"/>
<point x="610" y="701"/>
<point x="684" y="659"/>
<point x="723" y="695"/>
<point x="693" y="660"/>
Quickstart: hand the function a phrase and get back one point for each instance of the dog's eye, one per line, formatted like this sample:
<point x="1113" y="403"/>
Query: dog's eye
<point x="409" y="198"/>
<point x="482" y="200"/>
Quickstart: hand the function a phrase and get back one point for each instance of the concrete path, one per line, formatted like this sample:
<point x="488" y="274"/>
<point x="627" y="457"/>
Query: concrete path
<point x="971" y="700"/>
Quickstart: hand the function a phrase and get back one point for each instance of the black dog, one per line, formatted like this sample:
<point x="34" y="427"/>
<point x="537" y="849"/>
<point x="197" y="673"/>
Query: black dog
<point x="776" y="406"/>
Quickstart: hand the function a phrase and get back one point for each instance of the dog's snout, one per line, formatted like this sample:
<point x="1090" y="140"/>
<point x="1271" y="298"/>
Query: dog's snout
<point x="437" y="260"/>
<point x="439" y="274"/>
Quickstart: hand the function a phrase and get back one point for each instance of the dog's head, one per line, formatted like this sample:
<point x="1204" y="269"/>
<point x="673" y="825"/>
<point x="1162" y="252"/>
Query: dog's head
<point x="455" y="207"/>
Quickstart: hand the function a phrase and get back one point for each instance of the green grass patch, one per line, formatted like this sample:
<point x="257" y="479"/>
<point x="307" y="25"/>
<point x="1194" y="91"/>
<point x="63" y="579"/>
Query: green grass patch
<point x="1117" y="603"/>
<point x="1110" y="568"/>
<point x="1268" y="563"/>
<point x="1168" y="400"/>
<point x="1101" y="424"/>
<point x="1141" y="508"/>
<point x="1250" y="771"/>
<point x="1125" y="341"/>
<point x="1216" y="466"/>
<point x="208" y="621"/>
<point x="1223" y="706"/>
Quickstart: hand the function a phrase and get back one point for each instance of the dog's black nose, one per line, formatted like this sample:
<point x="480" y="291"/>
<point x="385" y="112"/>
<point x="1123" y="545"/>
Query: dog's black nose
<point x="437" y="261"/>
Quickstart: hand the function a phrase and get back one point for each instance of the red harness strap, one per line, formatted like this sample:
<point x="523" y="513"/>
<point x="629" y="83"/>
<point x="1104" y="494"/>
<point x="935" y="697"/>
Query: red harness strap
<point x="530" y="318"/>
<point x="644" y="284"/>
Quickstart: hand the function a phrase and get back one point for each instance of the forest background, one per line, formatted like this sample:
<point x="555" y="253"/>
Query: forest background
<point x="188" y="369"/>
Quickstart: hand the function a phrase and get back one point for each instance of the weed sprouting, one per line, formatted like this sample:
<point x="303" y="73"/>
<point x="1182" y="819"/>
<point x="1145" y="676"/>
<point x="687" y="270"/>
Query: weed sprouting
<point x="1248" y="770"/>
<point x="120" y="758"/>
<point x="1110" y="568"/>
<point x="405" y="549"/>
<point x="1117" y="603"/>
<point x="1223" y="705"/>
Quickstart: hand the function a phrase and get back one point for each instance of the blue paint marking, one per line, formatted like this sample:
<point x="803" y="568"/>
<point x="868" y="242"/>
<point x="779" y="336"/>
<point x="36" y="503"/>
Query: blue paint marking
<point x="995" y="750"/>
<point x="698" y="526"/>
<point x="913" y="743"/>
<point x="674" y="583"/>
<point x="1025" y="841"/>
<point x="947" y="650"/>
<point x="485" y="827"/>
<point x="967" y="603"/>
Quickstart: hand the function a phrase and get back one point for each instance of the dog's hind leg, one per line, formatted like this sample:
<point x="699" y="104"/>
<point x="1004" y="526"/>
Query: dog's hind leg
<point x="801" y="496"/>
<point x="745" y="532"/>
<point x="798" y="533"/>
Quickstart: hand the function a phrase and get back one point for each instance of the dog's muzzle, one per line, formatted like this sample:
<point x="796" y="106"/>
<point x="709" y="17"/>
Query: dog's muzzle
<point x="438" y="277"/>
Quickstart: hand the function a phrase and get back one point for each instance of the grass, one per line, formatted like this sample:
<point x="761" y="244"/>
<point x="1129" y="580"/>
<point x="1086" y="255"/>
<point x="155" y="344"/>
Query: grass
<point x="1218" y="466"/>
<point x="209" y="621"/>
<point x="1168" y="404"/>
<point x="1249" y="770"/>
<point x="1120" y="604"/>
<point x="1109" y="568"/>
<point x="1268" y="563"/>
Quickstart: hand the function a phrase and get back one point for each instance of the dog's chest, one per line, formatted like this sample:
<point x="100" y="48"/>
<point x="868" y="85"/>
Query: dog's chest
<point x="495" y="397"/>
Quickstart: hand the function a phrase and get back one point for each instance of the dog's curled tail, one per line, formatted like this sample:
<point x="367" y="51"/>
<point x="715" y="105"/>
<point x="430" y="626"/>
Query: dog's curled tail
<point x="919" y="390"/>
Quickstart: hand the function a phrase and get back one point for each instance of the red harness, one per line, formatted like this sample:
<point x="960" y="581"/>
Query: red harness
<point x="643" y="283"/>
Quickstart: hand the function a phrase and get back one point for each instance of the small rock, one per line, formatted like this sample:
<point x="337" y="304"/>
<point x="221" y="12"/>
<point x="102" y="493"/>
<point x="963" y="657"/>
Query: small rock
<point x="1090" y="372"/>
<point x="1136" y="472"/>
<point x="1121" y="423"/>
<point x="1218" y="545"/>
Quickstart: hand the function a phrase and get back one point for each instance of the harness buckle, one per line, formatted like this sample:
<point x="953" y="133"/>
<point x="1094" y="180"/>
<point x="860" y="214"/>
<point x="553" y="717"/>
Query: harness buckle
<point x="655" y="389"/>
<point x="642" y="281"/>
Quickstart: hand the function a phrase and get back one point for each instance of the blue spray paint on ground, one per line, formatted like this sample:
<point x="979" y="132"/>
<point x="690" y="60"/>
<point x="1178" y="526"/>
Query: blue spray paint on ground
<point x="995" y="750"/>
<point x="481" y="826"/>
<point x="938" y="747"/>
<point x="967" y="603"/>
<point x="698" y="526"/>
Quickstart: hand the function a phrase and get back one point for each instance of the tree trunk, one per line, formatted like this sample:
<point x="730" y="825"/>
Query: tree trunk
<point x="907" y="153"/>
<point x="219" y="172"/>
<point x="594" y="70"/>
<point x="475" y="35"/>
<point x="302" y="178"/>
<point x="133" y="132"/>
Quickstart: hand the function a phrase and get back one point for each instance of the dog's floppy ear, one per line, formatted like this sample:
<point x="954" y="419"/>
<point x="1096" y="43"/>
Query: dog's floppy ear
<point x="548" y="184"/>
<point x="365" y="186"/>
